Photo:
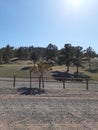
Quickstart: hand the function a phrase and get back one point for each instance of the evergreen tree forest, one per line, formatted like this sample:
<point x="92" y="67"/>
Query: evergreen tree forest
<point x="68" y="55"/>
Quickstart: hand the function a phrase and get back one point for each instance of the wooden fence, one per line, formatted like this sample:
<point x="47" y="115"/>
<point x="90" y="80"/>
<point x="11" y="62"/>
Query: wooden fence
<point x="63" y="81"/>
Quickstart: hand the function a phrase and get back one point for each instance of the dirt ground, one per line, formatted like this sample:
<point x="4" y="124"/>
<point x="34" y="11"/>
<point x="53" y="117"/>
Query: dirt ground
<point x="52" y="109"/>
<point x="29" y="112"/>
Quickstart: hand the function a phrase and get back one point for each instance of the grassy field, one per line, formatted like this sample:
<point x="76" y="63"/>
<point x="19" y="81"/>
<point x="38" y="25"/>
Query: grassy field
<point x="21" y="69"/>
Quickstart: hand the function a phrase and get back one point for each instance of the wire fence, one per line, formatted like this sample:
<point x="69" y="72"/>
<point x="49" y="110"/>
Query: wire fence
<point x="49" y="83"/>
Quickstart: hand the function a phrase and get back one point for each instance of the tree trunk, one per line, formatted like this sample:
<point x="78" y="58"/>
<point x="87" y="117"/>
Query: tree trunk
<point x="89" y="64"/>
<point x="77" y="70"/>
<point x="39" y="82"/>
<point x="42" y="81"/>
<point x="67" y="68"/>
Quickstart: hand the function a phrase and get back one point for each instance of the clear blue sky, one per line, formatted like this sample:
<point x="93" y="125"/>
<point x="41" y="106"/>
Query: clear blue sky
<point x="40" y="22"/>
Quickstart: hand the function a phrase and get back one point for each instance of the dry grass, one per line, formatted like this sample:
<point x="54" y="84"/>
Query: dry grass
<point x="8" y="70"/>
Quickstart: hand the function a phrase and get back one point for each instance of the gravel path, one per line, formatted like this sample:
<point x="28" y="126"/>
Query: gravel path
<point x="52" y="109"/>
<point x="41" y="113"/>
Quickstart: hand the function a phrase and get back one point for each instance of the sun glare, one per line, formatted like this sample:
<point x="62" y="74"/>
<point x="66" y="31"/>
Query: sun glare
<point x="75" y="3"/>
<point x="71" y="7"/>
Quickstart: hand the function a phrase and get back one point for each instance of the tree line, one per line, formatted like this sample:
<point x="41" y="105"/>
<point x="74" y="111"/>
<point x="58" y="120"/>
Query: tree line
<point x="68" y="55"/>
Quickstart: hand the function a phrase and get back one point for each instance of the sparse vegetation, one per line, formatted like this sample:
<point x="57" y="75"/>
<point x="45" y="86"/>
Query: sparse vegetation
<point x="18" y="61"/>
<point x="21" y="69"/>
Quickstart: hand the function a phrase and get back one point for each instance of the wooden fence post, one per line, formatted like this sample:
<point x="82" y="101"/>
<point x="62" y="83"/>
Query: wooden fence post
<point x="87" y="83"/>
<point x="30" y="80"/>
<point x="63" y="83"/>
<point x="14" y="80"/>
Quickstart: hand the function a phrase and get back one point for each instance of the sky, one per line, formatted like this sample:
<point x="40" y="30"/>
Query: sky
<point x="40" y="22"/>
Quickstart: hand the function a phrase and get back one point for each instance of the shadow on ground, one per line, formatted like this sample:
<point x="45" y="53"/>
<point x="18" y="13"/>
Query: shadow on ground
<point x="26" y="68"/>
<point x="92" y="70"/>
<point x="30" y="91"/>
<point x="60" y="75"/>
<point x="69" y="76"/>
